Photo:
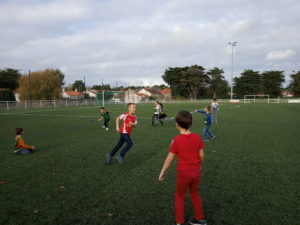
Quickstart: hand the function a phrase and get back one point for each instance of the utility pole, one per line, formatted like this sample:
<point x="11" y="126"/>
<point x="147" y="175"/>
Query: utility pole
<point x="30" y="96"/>
<point x="232" y="44"/>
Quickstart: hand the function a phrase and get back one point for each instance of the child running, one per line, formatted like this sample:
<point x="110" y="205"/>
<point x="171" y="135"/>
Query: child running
<point x="105" y="117"/>
<point x="157" y="112"/>
<point x="129" y="121"/>
<point x="208" y="135"/>
<point x="20" y="147"/>
<point x="215" y="109"/>
<point x="189" y="149"/>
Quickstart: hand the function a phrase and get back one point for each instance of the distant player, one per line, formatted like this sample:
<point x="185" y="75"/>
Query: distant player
<point x="105" y="117"/>
<point x="208" y="135"/>
<point x="129" y="121"/>
<point x="20" y="147"/>
<point x="189" y="149"/>
<point x="215" y="109"/>
<point x="156" y="114"/>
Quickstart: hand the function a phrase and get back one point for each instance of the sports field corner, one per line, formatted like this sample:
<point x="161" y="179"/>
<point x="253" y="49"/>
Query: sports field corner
<point x="250" y="173"/>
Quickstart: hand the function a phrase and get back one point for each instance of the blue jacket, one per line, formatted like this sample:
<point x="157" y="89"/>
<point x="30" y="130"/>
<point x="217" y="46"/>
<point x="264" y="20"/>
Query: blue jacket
<point x="207" y="116"/>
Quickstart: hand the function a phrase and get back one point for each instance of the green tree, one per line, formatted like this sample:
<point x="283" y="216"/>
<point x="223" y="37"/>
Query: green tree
<point x="187" y="82"/>
<point x="105" y="87"/>
<point x="294" y="85"/>
<point x="218" y="84"/>
<point x="78" y="85"/>
<point x="41" y="85"/>
<point x="195" y="80"/>
<point x="271" y="82"/>
<point x="249" y="83"/>
<point x="9" y="78"/>
<point x="172" y="76"/>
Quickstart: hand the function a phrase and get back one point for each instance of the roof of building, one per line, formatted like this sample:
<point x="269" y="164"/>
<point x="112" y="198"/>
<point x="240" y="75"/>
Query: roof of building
<point x="74" y="93"/>
<point x="166" y="91"/>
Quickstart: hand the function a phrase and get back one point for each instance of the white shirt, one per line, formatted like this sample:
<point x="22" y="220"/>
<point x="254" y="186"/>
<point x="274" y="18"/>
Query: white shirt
<point x="215" y="105"/>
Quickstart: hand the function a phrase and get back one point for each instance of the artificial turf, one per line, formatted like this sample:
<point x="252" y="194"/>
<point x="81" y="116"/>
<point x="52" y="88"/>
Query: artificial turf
<point x="250" y="173"/>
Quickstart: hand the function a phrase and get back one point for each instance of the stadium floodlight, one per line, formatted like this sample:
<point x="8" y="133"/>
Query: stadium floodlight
<point x="232" y="44"/>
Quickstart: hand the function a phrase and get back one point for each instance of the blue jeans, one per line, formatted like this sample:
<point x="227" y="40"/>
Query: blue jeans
<point x="207" y="133"/>
<point x="123" y="138"/>
<point x="24" y="151"/>
<point x="215" y="115"/>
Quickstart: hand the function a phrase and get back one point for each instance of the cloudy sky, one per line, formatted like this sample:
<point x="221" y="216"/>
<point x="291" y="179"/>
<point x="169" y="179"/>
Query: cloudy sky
<point x="134" y="41"/>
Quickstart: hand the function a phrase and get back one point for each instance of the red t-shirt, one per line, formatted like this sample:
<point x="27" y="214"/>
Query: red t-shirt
<point x="186" y="148"/>
<point x="127" y="118"/>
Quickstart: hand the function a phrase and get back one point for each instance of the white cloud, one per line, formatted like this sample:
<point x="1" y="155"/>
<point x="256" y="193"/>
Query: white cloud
<point x="121" y="40"/>
<point x="280" y="55"/>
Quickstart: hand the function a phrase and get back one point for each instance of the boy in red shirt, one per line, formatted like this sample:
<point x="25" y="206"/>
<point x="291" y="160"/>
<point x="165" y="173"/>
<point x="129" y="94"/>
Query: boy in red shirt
<point x="129" y="121"/>
<point x="189" y="149"/>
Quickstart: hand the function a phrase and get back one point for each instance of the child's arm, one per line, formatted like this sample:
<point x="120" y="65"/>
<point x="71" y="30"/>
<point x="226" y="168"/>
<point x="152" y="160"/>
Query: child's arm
<point x="117" y="124"/>
<point x="22" y="143"/>
<point x="201" y="111"/>
<point x="167" y="164"/>
<point x="133" y="124"/>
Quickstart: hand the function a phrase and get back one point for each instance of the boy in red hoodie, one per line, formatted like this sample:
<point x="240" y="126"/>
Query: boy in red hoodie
<point x="189" y="149"/>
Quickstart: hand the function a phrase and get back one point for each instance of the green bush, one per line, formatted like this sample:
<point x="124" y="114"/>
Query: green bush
<point x="7" y="95"/>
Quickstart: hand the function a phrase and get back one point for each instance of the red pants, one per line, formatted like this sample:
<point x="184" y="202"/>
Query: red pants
<point x="188" y="180"/>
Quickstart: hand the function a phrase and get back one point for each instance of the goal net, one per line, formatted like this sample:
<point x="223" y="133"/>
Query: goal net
<point x="256" y="99"/>
<point x="105" y="98"/>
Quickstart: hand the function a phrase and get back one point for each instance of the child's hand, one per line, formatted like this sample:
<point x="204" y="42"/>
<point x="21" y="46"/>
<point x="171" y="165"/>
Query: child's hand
<point x="117" y="129"/>
<point x="162" y="176"/>
<point x="33" y="147"/>
<point x="100" y="119"/>
<point x="131" y="124"/>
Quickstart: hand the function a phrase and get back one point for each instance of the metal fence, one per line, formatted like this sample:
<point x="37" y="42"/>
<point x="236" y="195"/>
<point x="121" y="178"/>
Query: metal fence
<point x="44" y="104"/>
<point x="47" y="104"/>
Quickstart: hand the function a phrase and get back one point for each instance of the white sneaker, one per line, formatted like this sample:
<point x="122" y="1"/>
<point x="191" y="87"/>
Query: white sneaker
<point x="103" y="126"/>
<point x="107" y="128"/>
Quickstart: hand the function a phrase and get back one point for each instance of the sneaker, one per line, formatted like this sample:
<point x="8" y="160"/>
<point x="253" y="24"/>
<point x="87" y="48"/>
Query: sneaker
<point x="108" y="158"/>
<point x="106" y="128"/>
<point x="213" y="137"/>
<point x="120" y="159"/>
<point x="197" y="222"/>
<point x="103" y="126"/>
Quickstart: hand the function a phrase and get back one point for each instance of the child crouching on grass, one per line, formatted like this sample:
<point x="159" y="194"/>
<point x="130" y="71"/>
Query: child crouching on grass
<point x="105" y="117"/>
<point x="20" y="147"/>
<point x="189" y="149"/>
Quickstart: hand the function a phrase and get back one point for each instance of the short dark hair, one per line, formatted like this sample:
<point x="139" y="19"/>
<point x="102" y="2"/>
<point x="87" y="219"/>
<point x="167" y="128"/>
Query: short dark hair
<point x="214" y="99"/>
<point x="129" y="104"/>
<point x="208" y="108"/>
<point x="184" y="119"/>
<point x="102" y="108"/>
<point x="19" y="131"/>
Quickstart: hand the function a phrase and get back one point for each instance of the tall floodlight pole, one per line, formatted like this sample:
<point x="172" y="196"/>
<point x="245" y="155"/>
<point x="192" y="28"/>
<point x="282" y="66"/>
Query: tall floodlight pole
<point x="232" y="44"/>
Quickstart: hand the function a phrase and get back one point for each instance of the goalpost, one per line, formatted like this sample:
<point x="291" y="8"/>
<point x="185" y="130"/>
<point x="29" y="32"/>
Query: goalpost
<point x="260" y="99"/>
<point x="256" y="99"/>
<point x="105" y="98"/>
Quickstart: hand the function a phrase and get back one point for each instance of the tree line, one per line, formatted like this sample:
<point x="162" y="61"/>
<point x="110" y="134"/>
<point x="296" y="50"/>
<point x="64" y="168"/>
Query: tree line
<point x="185" y="82"/>
<point x="195" y="82"/>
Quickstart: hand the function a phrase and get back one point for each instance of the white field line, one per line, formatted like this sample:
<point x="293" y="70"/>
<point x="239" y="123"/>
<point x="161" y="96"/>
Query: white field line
<point x="82" y="116"/>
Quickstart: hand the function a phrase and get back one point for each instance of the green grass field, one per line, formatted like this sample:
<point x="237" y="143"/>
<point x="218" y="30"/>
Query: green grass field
<point x="250" y="174"/>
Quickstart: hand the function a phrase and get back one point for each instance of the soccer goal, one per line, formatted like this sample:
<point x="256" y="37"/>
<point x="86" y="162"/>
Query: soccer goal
<point x="105" y="98"/>
<point x="256" y="99"/>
